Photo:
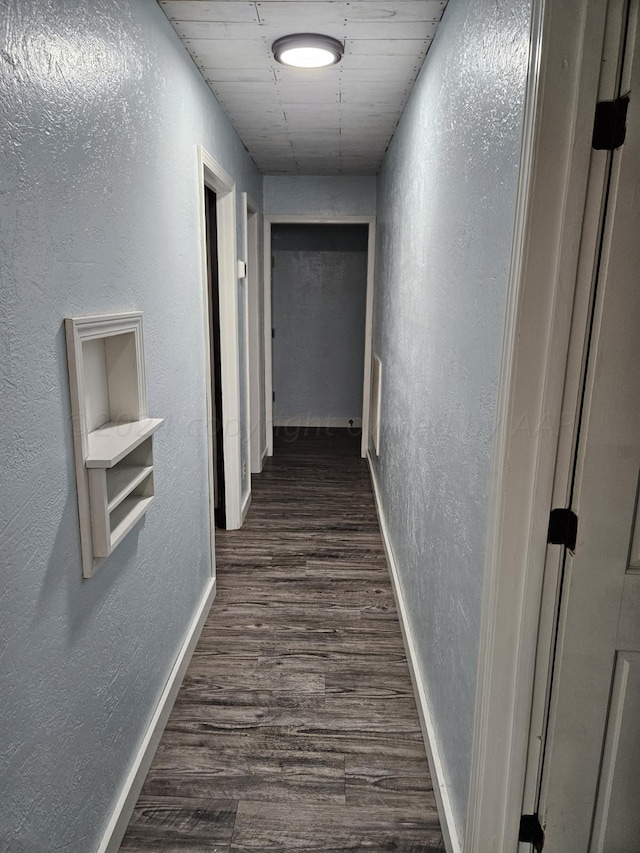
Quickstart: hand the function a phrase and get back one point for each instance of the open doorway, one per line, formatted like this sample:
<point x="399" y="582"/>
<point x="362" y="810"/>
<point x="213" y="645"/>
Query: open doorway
<point x="215" y="359"/>
<point x="319" y="290"/>
<point x="221" y="352"/>
<point x="254" y="337"/>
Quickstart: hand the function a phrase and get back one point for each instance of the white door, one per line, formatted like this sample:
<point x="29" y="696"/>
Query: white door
<point x="590" y="782"/>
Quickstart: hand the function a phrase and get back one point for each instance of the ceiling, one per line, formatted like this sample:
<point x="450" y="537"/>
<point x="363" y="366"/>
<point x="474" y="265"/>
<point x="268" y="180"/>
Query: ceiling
<point x="329" y="121"/>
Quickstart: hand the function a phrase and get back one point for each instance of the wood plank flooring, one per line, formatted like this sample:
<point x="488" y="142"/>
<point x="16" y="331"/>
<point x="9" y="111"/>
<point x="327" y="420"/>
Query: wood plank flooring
<point x="296" y="727"/>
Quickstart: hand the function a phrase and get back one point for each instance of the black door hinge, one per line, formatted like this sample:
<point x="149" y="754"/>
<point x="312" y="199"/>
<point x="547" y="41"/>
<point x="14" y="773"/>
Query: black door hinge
<point x="273" y="396"/>
<point x="531" y="832"/>
<point x="563" y="528"/>
<point x="273" y="333"/>
<point x="610" y="124"/>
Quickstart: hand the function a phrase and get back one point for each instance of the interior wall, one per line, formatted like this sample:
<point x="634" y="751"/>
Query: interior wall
<point x="308" y="195"/>
<point x="102" y="114"/>
<point x="446" y="201"/>
<point x="319" y="296"/>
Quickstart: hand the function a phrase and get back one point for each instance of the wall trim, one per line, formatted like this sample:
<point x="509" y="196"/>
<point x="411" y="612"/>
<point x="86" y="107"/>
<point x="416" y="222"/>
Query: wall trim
<point x="212" y="175"/>
<point x="130" y="791"/>
<point x="302" y="422"/>
<point x="290" y="219"/>
<point x="440" y="789"/>
<point x="564" y="66"/>
<point x="255" y="322"/>
<point x="246" y="503"/>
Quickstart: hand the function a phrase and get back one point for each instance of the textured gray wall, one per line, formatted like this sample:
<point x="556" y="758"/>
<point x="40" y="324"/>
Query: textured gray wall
<point x="102" y="111"/>
<point x="319" y="295"/>
<point x="445" y="219"/>
<point x="305" y="195"/>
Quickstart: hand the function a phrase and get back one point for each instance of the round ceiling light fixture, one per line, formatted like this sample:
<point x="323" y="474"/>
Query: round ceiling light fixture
<point x="307" y="50"/>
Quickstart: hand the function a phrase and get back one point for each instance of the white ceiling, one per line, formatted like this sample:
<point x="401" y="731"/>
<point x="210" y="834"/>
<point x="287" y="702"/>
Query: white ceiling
<point x="329" y="121"/>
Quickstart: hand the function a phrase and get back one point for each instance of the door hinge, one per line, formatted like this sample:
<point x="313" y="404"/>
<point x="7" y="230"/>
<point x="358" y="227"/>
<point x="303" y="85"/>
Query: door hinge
<point x="273" y="261"/>
<point x="610" y="124"/>
<point x="273" y="396"/>
<point x="531" y="832"/>
<point x="563" y="528"/>
<point x="273" y="333"/>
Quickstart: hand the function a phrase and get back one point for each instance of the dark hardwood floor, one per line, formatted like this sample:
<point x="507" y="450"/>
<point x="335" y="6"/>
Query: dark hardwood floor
<point x="296" y="727"/>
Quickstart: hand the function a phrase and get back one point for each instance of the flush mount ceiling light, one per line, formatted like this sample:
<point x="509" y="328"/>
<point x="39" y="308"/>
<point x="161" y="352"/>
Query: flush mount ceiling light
<point x="307" y="50"/>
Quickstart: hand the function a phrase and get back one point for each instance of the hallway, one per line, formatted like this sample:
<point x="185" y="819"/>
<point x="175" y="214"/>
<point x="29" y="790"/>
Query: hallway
<point x="296" y="727"/>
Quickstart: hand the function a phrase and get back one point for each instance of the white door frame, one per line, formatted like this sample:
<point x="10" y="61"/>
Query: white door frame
<point x="542" y="730"/>
<point x="255" y="374"/>
<point x="212" y="175"/>
<point x="561" y="96"/>
<point x="289" y="219"/>
<point x="603" y="165"/>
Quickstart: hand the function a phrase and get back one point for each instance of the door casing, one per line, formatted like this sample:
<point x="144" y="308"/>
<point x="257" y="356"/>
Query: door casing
<point x="598" y="289"/>
<point x="564" y="70"/>
<point x="255" y="325"/>
<point x="212" y="175"/>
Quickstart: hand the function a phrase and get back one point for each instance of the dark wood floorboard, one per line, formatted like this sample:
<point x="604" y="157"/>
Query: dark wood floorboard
<point x="296" y="730"/>
<point x="326" y="829"/>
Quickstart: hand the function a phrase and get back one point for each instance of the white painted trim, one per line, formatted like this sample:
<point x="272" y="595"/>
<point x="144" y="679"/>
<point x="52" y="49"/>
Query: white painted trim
<point x="303" y="219"/>
<point x="302" y="422"/>
<point x="292" y="219"/>
<point x="256" y="323"/>
<point x="212" y="175"/>
<point x="245" y="426"/>
<point x="550" y="208"/>
<point x="130" y="791"/>
<point x="604" y="36"/>
<point x="445" y="812"/>
<point x="79" y="330"/>
<point x="268" y="341"/>
<point x="368" y="338"/>
<point x="246" y="503"/>
<point x="376" y="386"/>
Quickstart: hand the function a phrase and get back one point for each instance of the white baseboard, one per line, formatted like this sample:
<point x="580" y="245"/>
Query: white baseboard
<point x="130" y="792"/>
<point x="445" y="812"/>
<point x="301" y="423"/>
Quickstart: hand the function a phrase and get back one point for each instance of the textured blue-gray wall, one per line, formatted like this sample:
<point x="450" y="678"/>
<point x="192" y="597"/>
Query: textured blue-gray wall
<point x="446" y="200"/>
<point x="102" y="111"/>
<point x="311" y="195"/>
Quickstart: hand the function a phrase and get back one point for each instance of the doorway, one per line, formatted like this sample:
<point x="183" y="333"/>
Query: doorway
<point x="215" y="358"/>
<point x="255" y="337"/>
<point x="318" y="298"/>
<point x="221" y="354"/>
<point x="585" y="780"/>
<point x="318" y="317"/>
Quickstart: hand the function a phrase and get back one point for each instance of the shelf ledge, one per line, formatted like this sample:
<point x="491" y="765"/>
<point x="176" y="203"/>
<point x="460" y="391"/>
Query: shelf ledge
<point x="126" y="516"/>
<point x="112" y="442"/>
<point x="123" y="481"/>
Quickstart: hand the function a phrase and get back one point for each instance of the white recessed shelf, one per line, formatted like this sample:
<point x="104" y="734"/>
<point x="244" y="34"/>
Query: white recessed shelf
<point x="122" y="480"/>
<point x="113" y="437"/>
<point x="112" y="442"/>
<point x="125" y="517"/>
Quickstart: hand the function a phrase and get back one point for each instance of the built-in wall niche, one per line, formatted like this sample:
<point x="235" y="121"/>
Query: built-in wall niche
<point x="113" y="435"/>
